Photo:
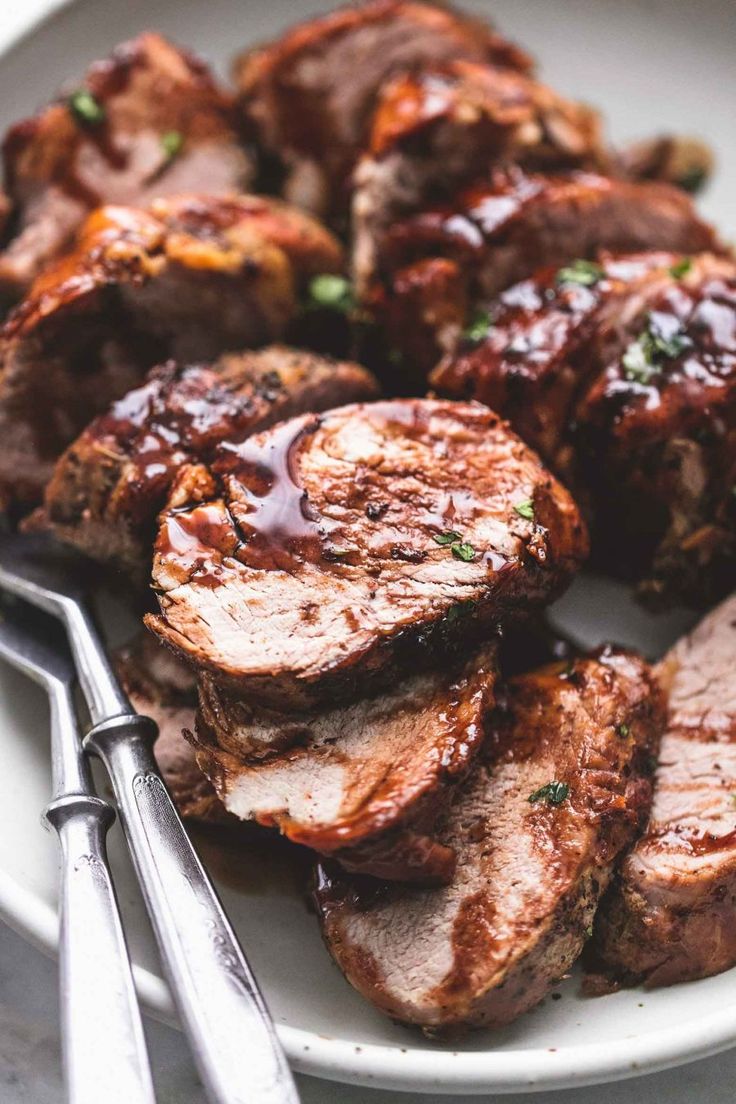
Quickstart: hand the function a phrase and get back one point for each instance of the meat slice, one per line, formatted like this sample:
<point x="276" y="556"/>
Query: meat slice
<point x="362" y="782"/>
<point x="110" y="484"/>
<point x="190" y="277"/>
<point x="560" y="791"/>
<point x="443" y="263"/>
<point x="309" y="95"/>
<point x="621" y="374"/>
<point x="670" y="915"/>
<point x="162" y="688"/>
<point x="324" y="551"/>
<point x="148" y="121"/>
<point x="437" y="130"/>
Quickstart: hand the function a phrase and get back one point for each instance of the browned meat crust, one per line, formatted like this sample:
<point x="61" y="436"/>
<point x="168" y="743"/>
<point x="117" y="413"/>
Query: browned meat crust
<point x="437" y="130"/>
<point x="489" y="946"/>
<point x="309" y="96"/>
<point x="324" y="550"/>
<point x="157" y="125"/>
<point x="189" y="278"/>
<point x="671" y="913"/>
<point x="444" y="261"/>
<point x="648" y="444"/>
<point x="110" y="484"/>
<point x="363" y="782"/>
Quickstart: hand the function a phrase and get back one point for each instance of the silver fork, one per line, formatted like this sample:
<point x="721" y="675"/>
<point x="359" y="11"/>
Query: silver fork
<point x="233" y="1039"/>
<point x="104" y="1051"/>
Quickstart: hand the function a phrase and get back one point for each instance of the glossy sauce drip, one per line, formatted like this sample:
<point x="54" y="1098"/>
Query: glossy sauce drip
<point x="191" y="541"/>
<point x="694" y="841"/>
<point x="269" y="505"/>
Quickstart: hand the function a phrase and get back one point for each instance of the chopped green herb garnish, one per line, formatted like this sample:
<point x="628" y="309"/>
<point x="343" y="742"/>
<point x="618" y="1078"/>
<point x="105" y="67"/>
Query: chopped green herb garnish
<point x="644" y="357"/>
<point x="622" y="730"/>
<point x="171" y="143"/>
<point x="478" y="327"/>
<point x="554" y="793"/>
<point x="450" y="537"/>
<point x="681" y="268"/>
<point x="525" y="509"/>
<point x="585" y="273"/>
<point x="332" y="292"/>
<point x="463" y="551"/>
<point x="85" y="108"/>
<point x="589" y="931"/>
<point x="693" y="179"/>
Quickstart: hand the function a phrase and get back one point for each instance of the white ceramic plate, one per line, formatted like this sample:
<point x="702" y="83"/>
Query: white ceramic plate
<point x="651" y="64"/>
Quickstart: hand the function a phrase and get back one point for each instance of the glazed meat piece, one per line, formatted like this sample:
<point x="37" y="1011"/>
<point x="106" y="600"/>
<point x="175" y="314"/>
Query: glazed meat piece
<point x="685" y="161"/>
<point x="560" y="791"/>
<point x="329" y="549"/>
<point x="109" y="486"/>
<point x="309" y="96"/>
<point x="445" y="261"/>
<point x="189" y="278"/>
<point x="654" y="436"/>
<point x="621" y="374"/>
<point x="670" y="915"/>
<point x="363" y="782"/>
<point x="161" y="687"/>
<point x="148" y="121"/>
<point x="437" y="130"/>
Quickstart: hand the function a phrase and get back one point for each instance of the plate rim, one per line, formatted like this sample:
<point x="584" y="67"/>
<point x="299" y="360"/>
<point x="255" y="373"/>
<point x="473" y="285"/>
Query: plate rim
<point x="391" y="1066"/>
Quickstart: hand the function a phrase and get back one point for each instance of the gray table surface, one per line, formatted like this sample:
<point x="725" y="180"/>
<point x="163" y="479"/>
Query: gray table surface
<point x="30" y="1065"/>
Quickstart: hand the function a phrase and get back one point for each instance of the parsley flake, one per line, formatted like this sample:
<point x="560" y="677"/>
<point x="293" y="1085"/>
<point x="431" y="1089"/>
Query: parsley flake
<point x="171" y="144"/>
<point x="463" y="551"/>
<point x="554" y="793"/>
<point x="584" y="273"/>
<point x="681" y="268"/>
<point x="644" y="357"/>
<point x="331" y="292"/>
<point x="450" y="537"/>
<point x="478" y="327"/>
<point x="85" y="108"/>
<point x="525" y="509"/>
<point x="622" y="730"/>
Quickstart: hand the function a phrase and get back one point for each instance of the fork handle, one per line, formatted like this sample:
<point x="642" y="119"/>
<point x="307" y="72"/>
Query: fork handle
<point x="234" y="1044"/>
<point x="102" y="1037"/>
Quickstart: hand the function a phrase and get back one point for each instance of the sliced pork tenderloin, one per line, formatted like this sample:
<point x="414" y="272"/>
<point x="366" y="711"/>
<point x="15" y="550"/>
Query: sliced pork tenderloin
<point x="110" y="484"/>
<point x="190" y="277"/>
<point x="437" y="130"/>
<point x="444" y="264"/>
<point x="560" y="790"/>
<point x="308" y="97"/>
<point x="148" y="121"/>
<point x="161" y="687"/>
<point x="322" y="553"/>
<point x="363" y="782"/>
<point x="670" y="915"/>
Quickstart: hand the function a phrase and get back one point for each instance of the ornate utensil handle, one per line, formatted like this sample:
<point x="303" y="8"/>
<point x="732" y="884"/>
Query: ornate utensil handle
<point x="239" y="1058"/>
<point x="102" y="1037"/>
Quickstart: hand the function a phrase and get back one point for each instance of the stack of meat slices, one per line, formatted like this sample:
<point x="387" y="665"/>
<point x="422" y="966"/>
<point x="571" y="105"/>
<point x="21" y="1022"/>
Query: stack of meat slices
<point x="336" y="580"/>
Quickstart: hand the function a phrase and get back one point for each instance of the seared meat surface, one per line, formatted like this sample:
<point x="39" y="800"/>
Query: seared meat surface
<point x="309" y="96"/>
<point x="189" y="278"/>
<point x="559" y="792"/>
<point x="148" y="121"/>
<point x="439" y="129"/>
<point x="323" y="551"/>
<point x="362" y="782"/>
<point x="442" y="263"/>
<point x="109" y="486"/>
<point x="164" y="689"/>
<point x="670" y="915"/>
<point x="622" y="374"/>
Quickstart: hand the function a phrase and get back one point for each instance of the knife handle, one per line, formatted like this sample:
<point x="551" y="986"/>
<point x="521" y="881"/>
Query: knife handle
<point x="104" y="1050"/>
<point x="233" y="1039"/>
